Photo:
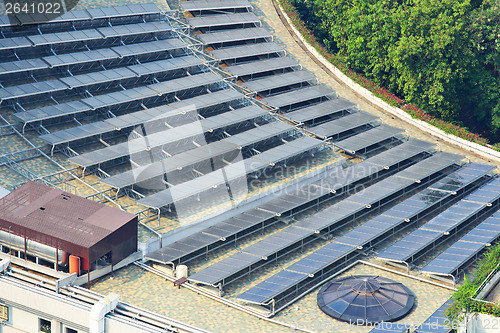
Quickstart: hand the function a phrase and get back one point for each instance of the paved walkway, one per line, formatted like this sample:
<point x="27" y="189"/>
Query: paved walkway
<point x="266" y="11"/>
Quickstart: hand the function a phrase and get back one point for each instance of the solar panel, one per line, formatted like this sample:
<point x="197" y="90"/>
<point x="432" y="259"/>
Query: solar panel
<point x="157" y="46"/>
<point x="285" y="203"/>
<point x="245" y="138"/>
<point x="269" y="83"/>
<point x="295" y="274"/>
<point x="453" y="258"/>
<point x="123" y="11"/>
<point x="223" y="20"/>
<point x="156" y="28"/>
<point x="243" y="51"/>
<point x="31" y="89"/>
<point x="297" y="96"/>
<point x="181" y="160"/>
<point x="436" y="323"/>
<point x="334" y="252"/>
<point x="172" y="112"/>
<point x="21" y="66"/>
<point x="65" y="37"/>
<point x="361" y="142"/>
<point x="79" y="58"/>
<point x="439" y="226"/>
<point x="118" y="97"/>
<point x="278" y="283"/>
<point x="336" y="128"/>
<point x="234" y="35"/>
<point x="14" y="43"/>
<point x="43" y="19"/>
<point x="214" y="5"/>
<point x="262" y="66"/>
<point x="208" y="181"/>
<point x="52" y="111"/>
<point x="160" y="66"/>
<point x="346" y="210"/>
<point x="326" y="108"/>
<point x="96" y="78"/>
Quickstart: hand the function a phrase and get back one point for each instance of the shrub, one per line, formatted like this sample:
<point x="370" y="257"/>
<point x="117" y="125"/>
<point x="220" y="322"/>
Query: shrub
<point x="376" y="89"/>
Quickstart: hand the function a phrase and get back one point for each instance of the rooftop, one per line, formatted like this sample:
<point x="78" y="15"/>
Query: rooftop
<point x="35" y="207"/>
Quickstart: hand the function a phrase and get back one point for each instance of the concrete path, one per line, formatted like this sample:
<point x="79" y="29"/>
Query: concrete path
<point x="267" y="12"/>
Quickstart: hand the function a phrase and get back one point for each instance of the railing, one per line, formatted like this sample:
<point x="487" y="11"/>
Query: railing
<point x="6" y="130"/>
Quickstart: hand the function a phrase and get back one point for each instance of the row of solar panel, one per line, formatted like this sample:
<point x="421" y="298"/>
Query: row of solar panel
<point x="61" y="42"/>
<point x="122" y="76"/>
<point x="295" y="98"/>
<point x="171" y="113"/>
<point x="305" y="231"/>
<point x="224" y="20"/>
<point x="191" y="131"/>
<point x="78" y="61"/>
<point x="448" y="222"/>
<point x="77" y="19"/>
<point x="211" y="6"/>
<point x="337" y="182"/>
<point x="436" y="323"/>
<point x="451" y="260"/>
<point x="233" y="173"/>
<point x="411" y="209"/>
<point x="141" y="95"/>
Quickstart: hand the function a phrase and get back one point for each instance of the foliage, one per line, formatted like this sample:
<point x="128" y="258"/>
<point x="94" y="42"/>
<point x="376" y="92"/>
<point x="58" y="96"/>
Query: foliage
<point x="463" y="296"/>
<point x="424" y="50"/>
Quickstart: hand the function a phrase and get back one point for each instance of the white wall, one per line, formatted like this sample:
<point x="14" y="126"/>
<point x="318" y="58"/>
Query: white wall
<point x="481" y="323"/>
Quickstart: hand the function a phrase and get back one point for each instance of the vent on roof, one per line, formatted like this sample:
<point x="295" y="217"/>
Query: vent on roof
<point x="365" y="299"/>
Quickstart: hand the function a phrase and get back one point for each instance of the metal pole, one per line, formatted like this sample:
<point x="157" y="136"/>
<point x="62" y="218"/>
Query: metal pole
<point x="10" y="243"/>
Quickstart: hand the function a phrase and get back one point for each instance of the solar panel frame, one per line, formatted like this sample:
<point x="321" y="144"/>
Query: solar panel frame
<point x="269" y="83"/>
<point x="14" y="43"/>
<point x="362" y="141"/>
<point x="299" y="96"/>
<point x="233" y="172"/>
<point x="434" y="229"/>
<point x="335" y="128"/>
<point x="234" y="35"/>
<point x="21" y="66"/>
<point x="244" y="51"/>
<point x="123" y="11"/>
<point x="220" y="20"/>
<point x="329" y="107"/>
<point x="449" y="261"/>
<point x="214" y="5"/>
<point x="31" y="89"/>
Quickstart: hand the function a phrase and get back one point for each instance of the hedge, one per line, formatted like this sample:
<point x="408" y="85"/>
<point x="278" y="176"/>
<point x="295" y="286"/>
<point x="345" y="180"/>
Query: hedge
<point x="375" y="88"/>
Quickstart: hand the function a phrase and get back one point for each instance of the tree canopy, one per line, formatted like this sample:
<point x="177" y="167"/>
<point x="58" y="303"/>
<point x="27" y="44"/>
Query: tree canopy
<point x="441" y="55"/>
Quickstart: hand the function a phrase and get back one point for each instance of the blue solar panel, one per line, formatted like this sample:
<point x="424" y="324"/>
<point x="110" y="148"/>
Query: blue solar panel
<point x="455" y="216"/>
<point x="361" y="235"/>
<point x="453" y="258"/>
<point x="436" y="323"/>
<point x="343" y="210"/>
<point x="272" y="286"/>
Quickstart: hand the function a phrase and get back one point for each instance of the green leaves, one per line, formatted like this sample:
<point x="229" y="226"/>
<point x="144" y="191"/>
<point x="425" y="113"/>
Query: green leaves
<point x="441" y="55"/>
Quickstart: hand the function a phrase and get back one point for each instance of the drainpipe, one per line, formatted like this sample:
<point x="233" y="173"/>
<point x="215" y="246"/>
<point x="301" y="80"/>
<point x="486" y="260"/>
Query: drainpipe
<point x="99" y="311"/>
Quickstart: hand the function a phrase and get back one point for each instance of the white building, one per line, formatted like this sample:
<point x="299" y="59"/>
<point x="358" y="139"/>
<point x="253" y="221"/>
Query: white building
<point x="30" y="302"/>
